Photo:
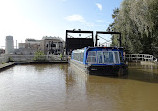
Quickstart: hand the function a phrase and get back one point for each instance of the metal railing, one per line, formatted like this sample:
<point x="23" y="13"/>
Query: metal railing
<point x="140" y="57"/>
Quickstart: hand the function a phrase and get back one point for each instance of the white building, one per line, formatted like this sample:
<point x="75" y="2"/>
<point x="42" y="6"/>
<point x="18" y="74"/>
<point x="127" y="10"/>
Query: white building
<point x="48" y="45"/>
<point x="9" y="45"/>
<point x="28" y="48"/>
<point x="52" y="45"/>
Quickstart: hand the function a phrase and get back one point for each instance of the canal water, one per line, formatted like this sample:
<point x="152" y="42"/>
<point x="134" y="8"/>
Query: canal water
<point x="59" y="87"/>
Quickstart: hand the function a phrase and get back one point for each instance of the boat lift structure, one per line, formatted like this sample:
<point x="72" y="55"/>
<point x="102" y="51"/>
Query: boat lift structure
<point x="81" y="42"/>
<point x="98" y="33"/>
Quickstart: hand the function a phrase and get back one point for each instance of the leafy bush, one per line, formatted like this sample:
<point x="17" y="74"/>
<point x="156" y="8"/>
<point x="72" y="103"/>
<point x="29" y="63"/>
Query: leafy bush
<point x="39" y="56"/>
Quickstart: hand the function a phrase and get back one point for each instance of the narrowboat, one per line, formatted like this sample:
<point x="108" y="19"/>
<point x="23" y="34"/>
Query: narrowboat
<point x="100" y="60"/>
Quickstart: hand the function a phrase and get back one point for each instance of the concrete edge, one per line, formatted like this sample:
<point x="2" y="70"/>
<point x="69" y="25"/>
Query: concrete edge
<point x="55" y="62"/>
<point x="6" y="65"/>
<point x="10" y="64"/>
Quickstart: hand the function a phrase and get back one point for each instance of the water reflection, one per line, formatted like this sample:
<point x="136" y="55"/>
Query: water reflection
<point x="145" y="72"/>
<point x="117" y="94"/>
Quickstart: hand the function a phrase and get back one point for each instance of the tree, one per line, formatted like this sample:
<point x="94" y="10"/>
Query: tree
<point x="137" y="20"/>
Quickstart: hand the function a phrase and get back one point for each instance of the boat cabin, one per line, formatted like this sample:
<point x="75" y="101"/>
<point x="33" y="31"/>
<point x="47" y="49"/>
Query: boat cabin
<point x="99" y="55"/>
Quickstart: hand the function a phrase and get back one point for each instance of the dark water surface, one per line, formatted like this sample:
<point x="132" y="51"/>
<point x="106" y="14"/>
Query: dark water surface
<point x="59" y="87"/>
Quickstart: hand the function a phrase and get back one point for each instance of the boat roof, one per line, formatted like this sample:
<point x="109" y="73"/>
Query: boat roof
<point x="91" y="48"/>
<point x="105" y="47"/>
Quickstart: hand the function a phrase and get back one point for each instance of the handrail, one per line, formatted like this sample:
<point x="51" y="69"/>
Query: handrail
<point x="140" y="57"/>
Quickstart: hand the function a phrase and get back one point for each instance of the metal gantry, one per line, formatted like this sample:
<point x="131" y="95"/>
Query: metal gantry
<point x="78" y="42"/>
<point x="101" y="32"/>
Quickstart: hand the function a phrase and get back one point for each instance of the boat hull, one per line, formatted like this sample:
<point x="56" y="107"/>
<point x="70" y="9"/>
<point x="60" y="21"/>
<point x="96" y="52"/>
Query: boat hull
<point x="101" y="70"/>
<point x="113" y="70"/>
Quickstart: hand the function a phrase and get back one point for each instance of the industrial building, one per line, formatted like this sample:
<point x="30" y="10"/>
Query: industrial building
<point x="48" y="45"/>
<point x="52" y="45"/>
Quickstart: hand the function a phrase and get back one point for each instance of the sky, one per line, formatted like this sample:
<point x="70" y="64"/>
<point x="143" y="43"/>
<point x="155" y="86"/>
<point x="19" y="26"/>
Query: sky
<point x="37" y="18"/>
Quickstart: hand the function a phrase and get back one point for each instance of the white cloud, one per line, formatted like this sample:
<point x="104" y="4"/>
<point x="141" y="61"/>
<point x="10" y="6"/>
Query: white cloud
<point x="79" y="18"/>
<point x="99" y="6"/>
<point x="75" y="18"/>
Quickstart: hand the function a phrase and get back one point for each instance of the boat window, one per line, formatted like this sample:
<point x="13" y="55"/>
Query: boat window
<point x="92" y="53"/>
<point x="103" y="57"/>
<point x="81" y="57"/>
<point x="111" y="58"/>
<point x="108" y="57"/>
<point x="100" y="57"/>
<point x="78" y="56"/>
<point x="91" y="57"/>
<point x="117" y="61"/>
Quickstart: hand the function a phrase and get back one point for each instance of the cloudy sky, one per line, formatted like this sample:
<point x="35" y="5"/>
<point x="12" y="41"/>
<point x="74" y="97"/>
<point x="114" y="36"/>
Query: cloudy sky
<point x="37" y="18"/>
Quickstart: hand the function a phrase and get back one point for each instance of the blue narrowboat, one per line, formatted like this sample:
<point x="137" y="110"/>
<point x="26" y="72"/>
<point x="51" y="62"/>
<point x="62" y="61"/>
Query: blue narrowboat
<point x="100" y="60"/>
